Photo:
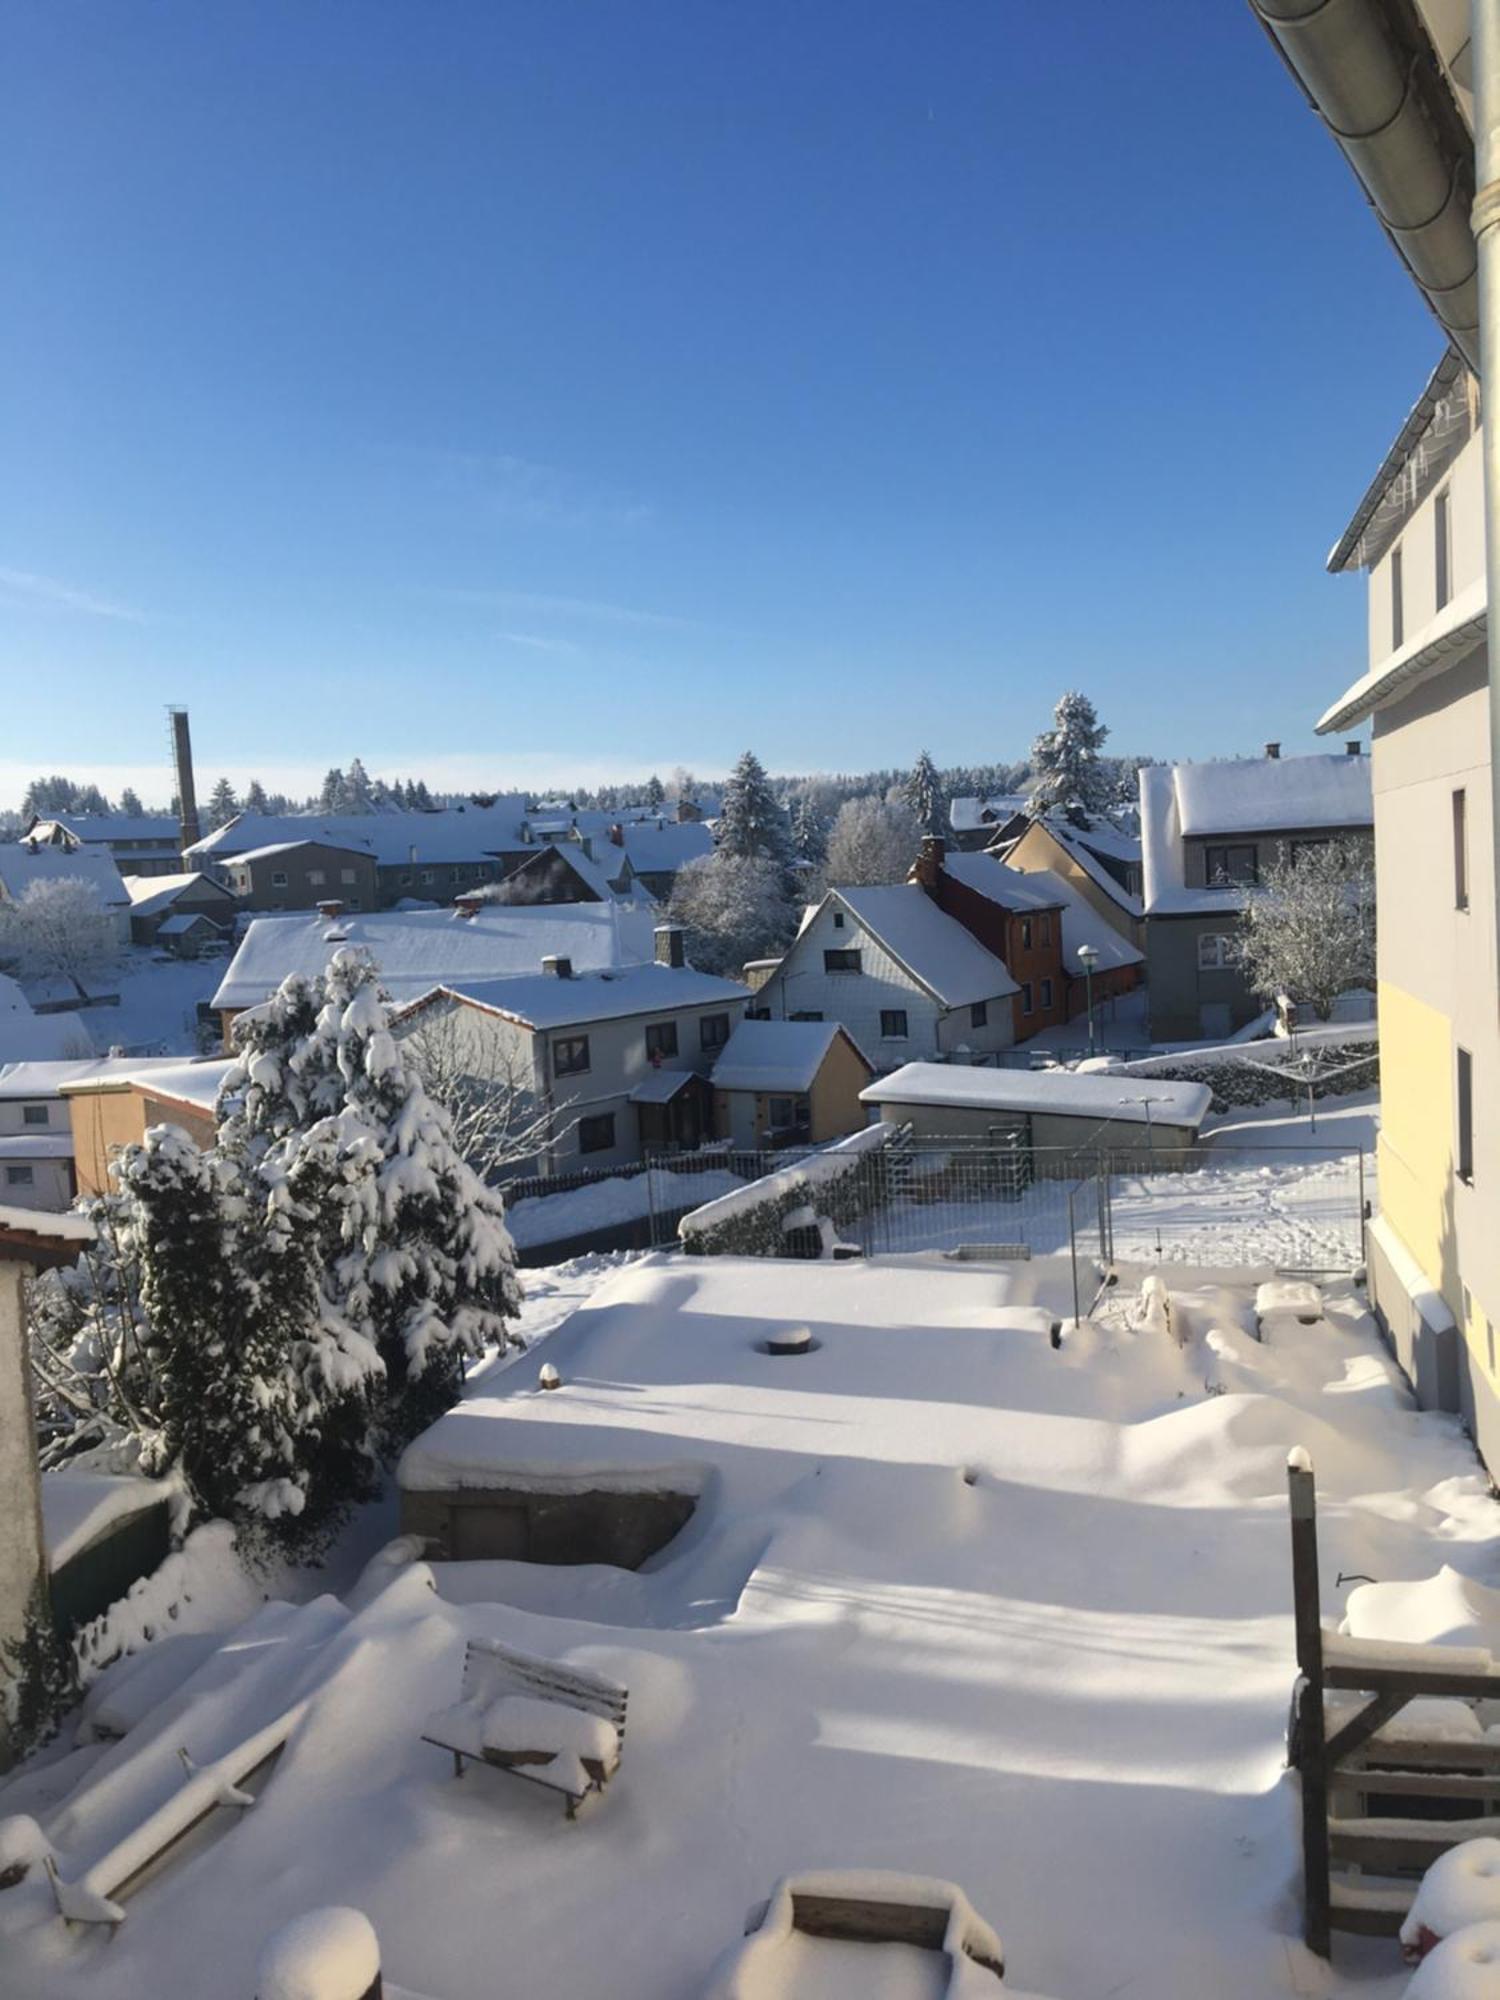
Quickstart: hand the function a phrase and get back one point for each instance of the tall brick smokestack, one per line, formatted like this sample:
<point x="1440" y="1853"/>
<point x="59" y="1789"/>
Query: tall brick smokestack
<point x="187" y="795"/>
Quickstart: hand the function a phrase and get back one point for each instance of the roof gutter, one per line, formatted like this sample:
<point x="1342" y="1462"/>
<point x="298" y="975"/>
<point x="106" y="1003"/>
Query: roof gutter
<point x="1367" y="68"/>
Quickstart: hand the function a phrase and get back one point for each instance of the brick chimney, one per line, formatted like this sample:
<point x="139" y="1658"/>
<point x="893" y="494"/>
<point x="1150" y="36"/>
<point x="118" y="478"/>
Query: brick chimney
<point x="330" y="911"/>
<point x="557" y="968"/>
<point x="617" y="835"/>
<point x="670" y="945"/>
<point x="1273" y="750"/>
<point x="927" y="869"/>
<point x="468" y="905"/>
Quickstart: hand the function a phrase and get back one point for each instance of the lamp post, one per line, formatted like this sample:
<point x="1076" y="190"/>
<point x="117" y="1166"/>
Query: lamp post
<point x="1150" y="1131"/>
<point x="1089" y="958"/>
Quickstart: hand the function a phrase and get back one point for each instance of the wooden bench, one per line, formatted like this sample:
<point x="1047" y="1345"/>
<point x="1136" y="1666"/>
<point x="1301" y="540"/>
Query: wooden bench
<point x="494" y="1673"/>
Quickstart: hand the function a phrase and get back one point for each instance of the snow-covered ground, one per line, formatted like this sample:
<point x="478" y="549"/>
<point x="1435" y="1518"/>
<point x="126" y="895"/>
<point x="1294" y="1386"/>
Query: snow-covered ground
<point x="159" y="996"/>
<point x="553" y="1218"/>
<point x="954" y="1603"/>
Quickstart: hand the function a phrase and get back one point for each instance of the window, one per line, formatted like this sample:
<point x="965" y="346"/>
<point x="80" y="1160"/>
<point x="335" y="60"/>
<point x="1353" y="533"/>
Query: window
<point x="1046" y="993"/>
<point x="19" y="1177"/>
<point x="427" y="877"/>
<point x="1443" y="548"/>
<point x="1223" y="865"/>
<point x="1464" y="1164"/>
<point x="893" y="1024"/>
<point x="838" y="920"/>
<point x="1025" y="933"/>
<point x="979" y="1014"/>
<point x="1046" y="930"/>
<point x="316" y="877"/>
<point x="1216" y="952"/>
<point x="1397" y="621"/>
<point x="804" y="1014"/>
<point x="782" y="1113"/>
<point x="278" y="880"/>
<point x="404" y="880"/>
<point x="570" y="1056"/>
<point x="1460" y="851"/>
<point x="713" y="1031"/>
<point x="661" y="1040"/>
<point x="35" y="1114"/>
<point x="597" y="1134"/>
<point x="841" y="961"/>
<point x="354" y="902"/>
<point x="1026" y="997"/>
<point x="348" y="875"/>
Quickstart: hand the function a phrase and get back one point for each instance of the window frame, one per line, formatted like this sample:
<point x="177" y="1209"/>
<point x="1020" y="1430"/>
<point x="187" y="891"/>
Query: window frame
<point x="278" y="878"/>
<point x="19" y="1173"/>
<point x="1460" y="848"/>
<point x="571" y="1068"/>
<point x="316" y="878"/>
<point x="1222" y="959"/>
<point x="596" y="1133"/>
<point x="661" y="1040"/>
<point x="1025" y="933"/>
<point x="1442" y="547"/>
<point x="1225" y="879"/>
<point x="1028" y="997"/>
<point x="979" y="1014"/>
<point x="36" y="1114"/>
<point x="833" y="971"/>
<point x="888" y="1033"/>
<point x="1046" y="994"/>
<point x="1398" y="607"/>
<point x="1463" y="1121"/>
<point x="712" y="1043"/>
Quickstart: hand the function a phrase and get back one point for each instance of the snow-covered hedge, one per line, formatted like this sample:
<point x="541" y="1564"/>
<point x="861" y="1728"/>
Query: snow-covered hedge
<point x="1262" y="1072"/>
<point x="752" y="1221"/>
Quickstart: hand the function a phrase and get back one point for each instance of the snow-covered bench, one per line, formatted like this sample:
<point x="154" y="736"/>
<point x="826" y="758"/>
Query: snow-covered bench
<point x="558" y="1726"/>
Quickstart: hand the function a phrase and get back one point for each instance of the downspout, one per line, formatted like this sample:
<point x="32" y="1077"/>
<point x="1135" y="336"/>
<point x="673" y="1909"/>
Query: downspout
<point x="1486" y="225"/>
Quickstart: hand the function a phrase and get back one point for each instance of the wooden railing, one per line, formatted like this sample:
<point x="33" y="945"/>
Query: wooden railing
<point x="1357" y="1766"/>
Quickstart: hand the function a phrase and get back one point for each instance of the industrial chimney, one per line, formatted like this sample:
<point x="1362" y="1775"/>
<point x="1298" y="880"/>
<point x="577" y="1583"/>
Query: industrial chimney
<point x="182" y="760"/>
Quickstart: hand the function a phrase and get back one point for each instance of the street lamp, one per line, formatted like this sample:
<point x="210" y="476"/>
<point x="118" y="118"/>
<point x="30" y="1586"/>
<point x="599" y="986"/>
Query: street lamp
<point x="1089" y="958"/>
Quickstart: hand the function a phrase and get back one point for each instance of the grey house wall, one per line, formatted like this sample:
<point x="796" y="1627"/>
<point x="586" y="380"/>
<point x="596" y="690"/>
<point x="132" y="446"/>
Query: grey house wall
<point x="1178" y="992"/>
<point x="314" y="874"/>
<point x="1270" y="847"/>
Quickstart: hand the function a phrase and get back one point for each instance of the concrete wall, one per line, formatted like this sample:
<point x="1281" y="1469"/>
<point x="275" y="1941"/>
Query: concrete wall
<point x="519" y="1524"/>
<point x="1438" y="981"/>
<point x="856" y="999"/>
<point x="1178" y="992"/>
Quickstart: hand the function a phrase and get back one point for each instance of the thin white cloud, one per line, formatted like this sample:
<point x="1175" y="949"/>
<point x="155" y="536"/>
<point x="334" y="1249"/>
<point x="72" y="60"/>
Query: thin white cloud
<point x="535" y="642"/>
<point x="511" y="488"/>
<point x="24" y="588"/>
<point x="585" y="610"/>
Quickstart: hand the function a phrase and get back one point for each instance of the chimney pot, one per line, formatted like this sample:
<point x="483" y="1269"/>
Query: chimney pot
<point x="929" y="863"/>
<point x="1354" y="748"/>
<point x="331" y="911"/>
<point x="670" y="945"/>
<point x="1273" y="749"/>
<point x="468" y="905"/>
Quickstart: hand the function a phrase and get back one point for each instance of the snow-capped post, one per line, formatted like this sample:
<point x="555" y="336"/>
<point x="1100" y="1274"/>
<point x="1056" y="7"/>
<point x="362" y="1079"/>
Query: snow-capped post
<point x="330" y="1954"/>
<point x="1310" y="1730"/>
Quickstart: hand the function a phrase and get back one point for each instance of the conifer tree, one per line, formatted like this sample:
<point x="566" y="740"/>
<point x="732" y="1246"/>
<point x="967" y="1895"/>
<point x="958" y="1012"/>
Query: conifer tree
<point x="130" y="804"/>
<point x="1065" y="762"/>
<point x="255" y="797"/>
<point x="752" y="824"/>
<point x="222" y="804"/>
<point x="923" y="792"/>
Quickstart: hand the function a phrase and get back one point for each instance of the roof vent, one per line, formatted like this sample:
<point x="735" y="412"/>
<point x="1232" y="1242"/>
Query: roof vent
<point x="557" y="968"/>
<point x="1273" y="749"/>
<point x="469" y="904"/>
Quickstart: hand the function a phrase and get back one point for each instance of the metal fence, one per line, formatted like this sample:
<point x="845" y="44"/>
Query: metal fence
<point x="1293" y="1208"/>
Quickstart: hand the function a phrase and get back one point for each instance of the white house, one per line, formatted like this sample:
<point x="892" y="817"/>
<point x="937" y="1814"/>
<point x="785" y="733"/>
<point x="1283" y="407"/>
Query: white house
<point x="616" y="1058"/>
<point x="37" y="1142"/>
<point x="26" y="1036"/>
<point x="25" y="862"/>
<point x="907" y="980"/>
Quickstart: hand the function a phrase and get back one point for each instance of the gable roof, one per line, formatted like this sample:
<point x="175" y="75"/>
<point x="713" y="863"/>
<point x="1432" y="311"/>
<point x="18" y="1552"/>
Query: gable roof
<point x="541" y="1000"/>
<point x="26" y="1036"/>
<point x="21" y="864"/>
<point x="1084" y="855"/>
<point x="294" y="846"/>
<point x="934" y="948"/>
<point x="396" y="839"/>
<point x="150" y="893"/>
<point x="161" y="827"/>
<point x="417" y="950"/>
<point x="1044" y="889"/>
<point x="1271" y="794"/>
<point x="661" y="850"/>
<point x="968" y="815"/>
<point x="779" y="1055"/>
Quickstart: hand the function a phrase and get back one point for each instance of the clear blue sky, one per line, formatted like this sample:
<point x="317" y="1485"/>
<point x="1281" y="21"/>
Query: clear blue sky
<point x="506" y="390"/>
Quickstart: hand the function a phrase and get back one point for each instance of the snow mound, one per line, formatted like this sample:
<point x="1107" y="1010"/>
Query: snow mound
<point x="1465" y="1966"/>
<point x="1240" y="1443"/>
<point x="1443" y="1610"/>
<point x="1462" y="1887"/>
<point x="327" y="1955"/>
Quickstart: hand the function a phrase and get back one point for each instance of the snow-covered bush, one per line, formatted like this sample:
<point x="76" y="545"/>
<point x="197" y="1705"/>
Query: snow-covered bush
<point x="840" y="1184"/>
<point x="732" y="908"/>
<point x="1310" y="930"/>
<point x="58" y="929"/>
<point x="873" y="842"/>
<point x="1344" y="1067"/>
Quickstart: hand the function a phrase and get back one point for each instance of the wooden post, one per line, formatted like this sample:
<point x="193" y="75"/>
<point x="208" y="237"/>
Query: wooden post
<point x="1312" y="1759"/>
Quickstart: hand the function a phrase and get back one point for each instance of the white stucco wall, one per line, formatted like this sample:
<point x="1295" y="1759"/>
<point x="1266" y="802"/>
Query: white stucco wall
<point x="1417" y="543"/>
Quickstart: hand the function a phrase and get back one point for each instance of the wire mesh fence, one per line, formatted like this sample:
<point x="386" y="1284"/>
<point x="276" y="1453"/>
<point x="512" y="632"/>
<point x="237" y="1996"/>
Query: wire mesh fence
<point x="1297" y="1208"/>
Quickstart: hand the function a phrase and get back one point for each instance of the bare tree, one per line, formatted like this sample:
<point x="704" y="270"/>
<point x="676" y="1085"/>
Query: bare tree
<point x="873" y="841"/>
<point x="1309" y="932"/>
<point x="58" y="929"/>
<point x="488" y="1087"/>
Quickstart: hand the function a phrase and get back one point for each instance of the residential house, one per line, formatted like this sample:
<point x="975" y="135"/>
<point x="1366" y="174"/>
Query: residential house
<point x="1101" y="862"/>
<point x="903" y="977"/>
<point x="113" y="1104"/>
<point x="300" y="874"/>
<point x="146" y="845"/>
<point x="39" y="1145"/>
<point x="616" y="1059"/>
<point x="1025" y="1110"/>
<point x="418" y="856"/>
<point x="1209" y="834"/>
<point x="781" y="1083"/>
<point x="25" y="862"/>
<point x="566" y="871"/>
<point x="158" y="902"/>
<point x="417" y="950"/>
<point x="974" y="824"/>
<point x="1432" y="678"/>
<point x="655" y="851"/>
<point x="26" y="1036"/>
<point x="1043" y="923"/>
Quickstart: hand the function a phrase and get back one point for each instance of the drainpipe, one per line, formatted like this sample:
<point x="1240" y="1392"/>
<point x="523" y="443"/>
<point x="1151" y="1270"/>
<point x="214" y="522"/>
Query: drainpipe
<point x="1486" y="225"/>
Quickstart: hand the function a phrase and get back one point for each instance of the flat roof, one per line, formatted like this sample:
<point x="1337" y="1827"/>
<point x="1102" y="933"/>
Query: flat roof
<point x="1058" y="1093"/>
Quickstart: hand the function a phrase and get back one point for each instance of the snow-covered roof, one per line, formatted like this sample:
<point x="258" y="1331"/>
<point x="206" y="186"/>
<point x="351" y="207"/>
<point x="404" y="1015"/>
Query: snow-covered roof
<point x="779" y="1055"/>
<point x="969" y="815"/>
<point x="417" y="950"/>
<point x="63" y="1230"/>
<point x="540" y="1000"/>
<point x="1085" y="853"/>
<point x="1044" y="889"/>
<point x="660" y="850"/>
<point x="294" y="846"/>
<point x="396" y="839"/>
<point x="26" y="1036"/>
<point x="1103" y="836"/>
<point x="935" y="949"/>
<point x="1442" y="642"/>
<point x="1254" y="795"/>
<point x="192" y="1083"/>
<point x="23" y="863"/>
<point x="150" y="893"/>
<point x="661" y="1086"/>
<point x="77" y="1507"/>
<point x="49" y="1079"/>
<point x="36" y="1145"/>
<point x="1057" y="1093"/>
<point x="1273" y="794"/>
<point x="160" y="827"/>
<point x="183" y="922"/>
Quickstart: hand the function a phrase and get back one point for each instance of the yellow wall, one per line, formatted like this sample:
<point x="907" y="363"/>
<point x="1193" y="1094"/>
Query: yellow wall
<point x="836" y="1109"/>
<point x="103" y="1121"/>
<point x="1037" y="849"/>
<point x="1415" y="1150"/>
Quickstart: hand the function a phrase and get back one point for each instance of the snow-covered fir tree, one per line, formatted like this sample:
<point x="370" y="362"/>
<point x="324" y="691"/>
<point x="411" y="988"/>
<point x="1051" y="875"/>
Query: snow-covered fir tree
<point x="130" y="804"/>
<point x="222" y="804"/>
<point x="359" y="792"/>
<point x="255" y="797"/>
<point x="1066" y="776"/>
<point x="809" y="831"/>
<point x="923" y="792"/>
<point x="751" y="822"/>
<point x="1309" y="930"/>
<point x="331" y="797"/>
<point x="655" y="792"/>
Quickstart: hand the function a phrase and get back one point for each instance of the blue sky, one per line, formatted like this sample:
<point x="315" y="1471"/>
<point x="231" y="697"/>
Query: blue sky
<point x="507" y="391"/>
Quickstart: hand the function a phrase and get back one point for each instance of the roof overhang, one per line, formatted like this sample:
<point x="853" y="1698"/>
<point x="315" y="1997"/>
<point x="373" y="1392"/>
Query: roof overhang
<point x="1451" y="637"/>
<point x="1441" y="422"/>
